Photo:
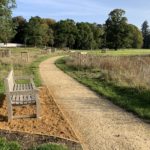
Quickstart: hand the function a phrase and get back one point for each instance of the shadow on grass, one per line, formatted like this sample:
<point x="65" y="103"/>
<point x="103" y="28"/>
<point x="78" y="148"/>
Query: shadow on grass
<point x="132" y="99"/>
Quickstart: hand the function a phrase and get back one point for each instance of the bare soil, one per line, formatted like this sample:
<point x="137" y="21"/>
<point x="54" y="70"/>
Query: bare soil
<point x="99" y="124"/>
<point x="52" y="122"/>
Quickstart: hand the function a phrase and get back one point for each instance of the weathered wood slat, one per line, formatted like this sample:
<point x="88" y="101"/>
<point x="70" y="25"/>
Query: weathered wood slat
<point x="24" y="116"/>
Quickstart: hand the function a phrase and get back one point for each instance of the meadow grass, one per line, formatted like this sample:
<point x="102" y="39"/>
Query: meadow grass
<point x="133" y="99"/>
<point x="121" y="52"/>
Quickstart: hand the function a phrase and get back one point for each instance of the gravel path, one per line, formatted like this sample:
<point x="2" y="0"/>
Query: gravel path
<point x="99" y="124"/>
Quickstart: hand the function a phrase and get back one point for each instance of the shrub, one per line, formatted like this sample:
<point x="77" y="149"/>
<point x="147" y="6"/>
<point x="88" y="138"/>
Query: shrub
<point x="6" y="145"/>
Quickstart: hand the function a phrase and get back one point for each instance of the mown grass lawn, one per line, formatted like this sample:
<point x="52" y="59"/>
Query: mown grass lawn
<point x="136" y="100"/>
<point x="122" y="52"/>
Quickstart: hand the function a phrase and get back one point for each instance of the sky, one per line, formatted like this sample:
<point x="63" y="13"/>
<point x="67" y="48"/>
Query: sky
<point x="93" y="11"/>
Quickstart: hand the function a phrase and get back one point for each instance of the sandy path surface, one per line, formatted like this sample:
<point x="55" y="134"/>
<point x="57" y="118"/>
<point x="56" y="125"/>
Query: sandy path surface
<point x="99" y="124"/>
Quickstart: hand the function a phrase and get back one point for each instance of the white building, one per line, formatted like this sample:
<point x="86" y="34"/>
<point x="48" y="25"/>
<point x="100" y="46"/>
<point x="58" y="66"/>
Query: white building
<point x="10" y="45"/>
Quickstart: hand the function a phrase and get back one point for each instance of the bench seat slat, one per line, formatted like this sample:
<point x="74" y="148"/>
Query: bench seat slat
<point x="22" y="87"/>
<point x="23" y="99"/>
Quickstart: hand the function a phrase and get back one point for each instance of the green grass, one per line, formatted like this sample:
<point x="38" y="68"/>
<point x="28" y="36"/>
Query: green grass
<point x="33" y="69"/>
<point x="50" y="147"/>
<point x="122" y="52"/>
<point x="132" y="99"/>
<point x="11" y="145"/>
<point x="6" y="145"/>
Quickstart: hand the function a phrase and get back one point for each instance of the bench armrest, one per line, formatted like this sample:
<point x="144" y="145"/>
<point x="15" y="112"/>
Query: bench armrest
<point x="33" y="84"/>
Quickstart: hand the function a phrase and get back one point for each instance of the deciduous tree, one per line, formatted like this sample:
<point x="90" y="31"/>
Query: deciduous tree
<point x="117" y="30"/>
<point x="6" y="24"/>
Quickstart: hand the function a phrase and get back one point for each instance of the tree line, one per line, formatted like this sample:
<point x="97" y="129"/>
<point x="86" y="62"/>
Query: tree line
<point x="114" y="34"/>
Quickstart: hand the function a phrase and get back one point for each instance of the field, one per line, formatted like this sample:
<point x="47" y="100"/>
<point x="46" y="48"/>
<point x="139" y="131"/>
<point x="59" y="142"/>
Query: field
<point x="121" y="52"/>
<point x="123" y="79"/>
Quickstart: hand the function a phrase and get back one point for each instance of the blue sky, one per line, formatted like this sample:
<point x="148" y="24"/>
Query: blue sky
<point x="83" y="10"/>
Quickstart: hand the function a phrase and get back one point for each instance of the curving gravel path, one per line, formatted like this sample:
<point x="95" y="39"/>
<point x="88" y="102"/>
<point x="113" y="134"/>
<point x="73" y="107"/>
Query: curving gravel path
<point x="99" y="124"/>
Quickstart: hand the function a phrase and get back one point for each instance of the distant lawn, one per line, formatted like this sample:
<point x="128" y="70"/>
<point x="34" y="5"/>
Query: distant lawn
<point x="132" y="99"/>
<point x="122" y="52"/>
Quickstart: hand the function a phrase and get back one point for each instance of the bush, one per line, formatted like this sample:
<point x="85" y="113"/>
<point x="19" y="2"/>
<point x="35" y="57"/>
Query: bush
<point x="5" y="145"/>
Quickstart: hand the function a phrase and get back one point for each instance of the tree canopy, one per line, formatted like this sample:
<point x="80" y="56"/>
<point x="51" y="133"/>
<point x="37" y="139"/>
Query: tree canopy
<point x="116" y="30"/>
<point x="114" y="34"/>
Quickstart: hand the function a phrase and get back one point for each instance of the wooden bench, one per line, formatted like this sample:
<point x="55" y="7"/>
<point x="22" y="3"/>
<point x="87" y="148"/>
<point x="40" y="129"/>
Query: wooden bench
<point x="20" y="94"/>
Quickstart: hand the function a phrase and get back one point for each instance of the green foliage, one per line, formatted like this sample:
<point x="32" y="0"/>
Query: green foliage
<point x="50" y="147"/>
<point x="132" y="99"/>
<point x="146" y="35"/>
<point x="135" y="37"/>
<point x="116" y="30"/>
<point x="38" y="32"/>
<point x="85" y="37"/>
<point x="5" y="145"/>
<point x="98" y="33"/>
<point x="65" y="33"/>
<point x="21" y="25"/>
<point x="6" y="24"/>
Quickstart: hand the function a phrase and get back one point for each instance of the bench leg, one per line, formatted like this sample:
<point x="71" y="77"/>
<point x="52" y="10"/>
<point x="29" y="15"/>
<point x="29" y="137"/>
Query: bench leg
<point x="10" y="112"/>
<point x="37" y="106"/>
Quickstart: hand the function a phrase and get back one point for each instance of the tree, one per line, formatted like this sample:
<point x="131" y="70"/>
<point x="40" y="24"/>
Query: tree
<point x="116" y="29"/>
<point x="21" y="25"/>
<point x="65" y="33"/>
<point x="6" y="24"/>
<point x="49" y="22"/>
<point x="135" y="37"/>
<point x="38" y="32"/>
<point x="85" y="38"/>
<point x="98" y="33"/>
<point x="146" y="33"/>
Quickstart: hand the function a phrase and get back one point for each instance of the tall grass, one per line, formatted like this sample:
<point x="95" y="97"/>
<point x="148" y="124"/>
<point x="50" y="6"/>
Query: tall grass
<point x="133" y="71"/>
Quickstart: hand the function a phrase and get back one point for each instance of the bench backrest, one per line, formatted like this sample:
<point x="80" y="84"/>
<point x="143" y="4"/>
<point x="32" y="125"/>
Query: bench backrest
<point x="9" y="82"/>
